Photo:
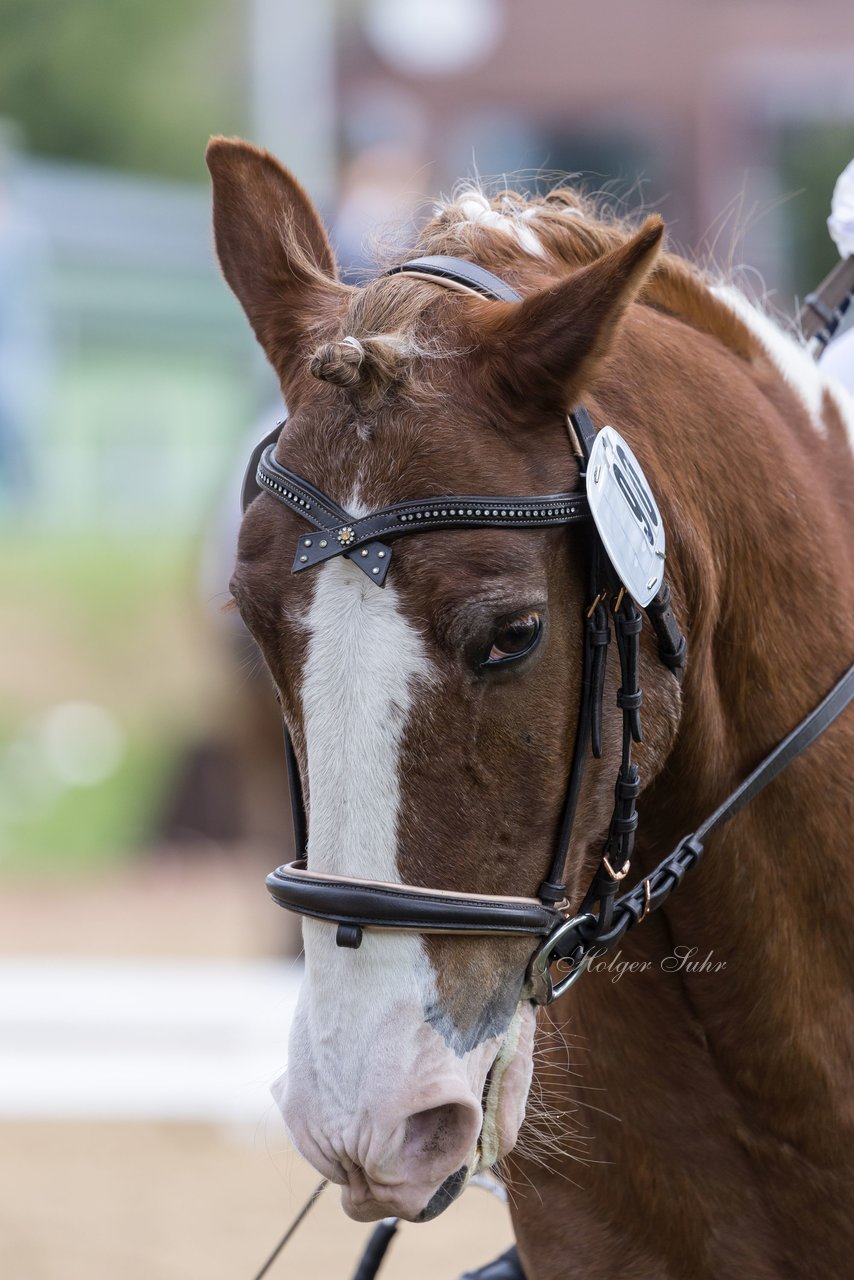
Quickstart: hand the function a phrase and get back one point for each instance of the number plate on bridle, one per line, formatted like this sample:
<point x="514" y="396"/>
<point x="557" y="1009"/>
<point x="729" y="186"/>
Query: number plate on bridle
<point x="626" y="515"/>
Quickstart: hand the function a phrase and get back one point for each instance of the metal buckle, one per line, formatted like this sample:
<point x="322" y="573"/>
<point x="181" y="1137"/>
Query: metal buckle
<point x="539" y="986"/>
<point x="603" y="595"/>
<point x="616" y="875"/>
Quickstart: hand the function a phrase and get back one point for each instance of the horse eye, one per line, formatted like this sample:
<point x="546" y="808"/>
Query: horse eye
<point x="514" y="639"/>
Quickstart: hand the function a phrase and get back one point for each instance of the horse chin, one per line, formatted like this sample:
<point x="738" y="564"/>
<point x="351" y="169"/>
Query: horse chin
<point x="361" y="1205"/>
<point x="506" y="1090"/>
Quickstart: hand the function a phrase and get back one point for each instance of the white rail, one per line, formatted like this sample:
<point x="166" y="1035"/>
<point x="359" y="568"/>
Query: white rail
<point x="143" y="1040"/>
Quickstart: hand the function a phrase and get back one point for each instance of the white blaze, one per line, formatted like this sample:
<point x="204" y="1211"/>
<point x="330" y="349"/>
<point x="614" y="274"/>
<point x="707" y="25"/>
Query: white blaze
<point x="363" y="669"/>
<point x="360" y="679"/>
<point x="363" y="1059"/>
<point x="378" y="1096"/>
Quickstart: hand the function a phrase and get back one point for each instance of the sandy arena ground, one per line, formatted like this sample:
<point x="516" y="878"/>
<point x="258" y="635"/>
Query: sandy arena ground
<point x="116" y="1201"/>
<point x="143" y="1200"/>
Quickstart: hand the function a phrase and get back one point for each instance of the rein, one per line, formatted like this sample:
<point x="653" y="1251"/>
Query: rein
<point x="620" y="570"/>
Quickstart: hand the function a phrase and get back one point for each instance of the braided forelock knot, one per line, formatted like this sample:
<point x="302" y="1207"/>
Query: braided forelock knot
<point x="339" y="362"/>
<point x="367" y="368"/>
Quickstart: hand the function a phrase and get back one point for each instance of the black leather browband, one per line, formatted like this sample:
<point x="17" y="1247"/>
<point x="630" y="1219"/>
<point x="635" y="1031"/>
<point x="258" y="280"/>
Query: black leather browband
<point x="357" y="536"/>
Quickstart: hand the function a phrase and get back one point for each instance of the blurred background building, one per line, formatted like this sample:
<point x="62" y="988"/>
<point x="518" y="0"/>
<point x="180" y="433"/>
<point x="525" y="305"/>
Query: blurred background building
<point x="141" y="787"/>
<point x="129" y="383"/>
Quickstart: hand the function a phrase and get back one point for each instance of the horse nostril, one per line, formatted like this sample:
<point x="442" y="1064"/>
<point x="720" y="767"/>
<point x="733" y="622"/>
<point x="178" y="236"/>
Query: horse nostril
<point x="439" y="1131"/>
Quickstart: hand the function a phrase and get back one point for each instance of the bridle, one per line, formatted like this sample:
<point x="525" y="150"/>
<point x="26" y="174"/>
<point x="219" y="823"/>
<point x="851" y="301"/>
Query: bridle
<point x="603" y="917"/>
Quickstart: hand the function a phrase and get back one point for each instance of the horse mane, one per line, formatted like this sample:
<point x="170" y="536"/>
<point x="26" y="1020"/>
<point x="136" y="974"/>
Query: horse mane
<point x="522" y="238"/>
<point x="565" y="228"/>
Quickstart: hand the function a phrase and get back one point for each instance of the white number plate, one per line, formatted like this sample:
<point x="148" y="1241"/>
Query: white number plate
<point x="626" y="515"/>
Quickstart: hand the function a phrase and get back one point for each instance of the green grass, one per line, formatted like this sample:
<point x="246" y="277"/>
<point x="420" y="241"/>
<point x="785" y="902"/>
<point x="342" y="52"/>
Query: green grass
<point x="84" y="827"/>
<point x="106" y="620"/>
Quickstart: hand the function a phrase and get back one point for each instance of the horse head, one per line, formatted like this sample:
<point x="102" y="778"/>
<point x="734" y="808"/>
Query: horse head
<point x="432" y="719"/>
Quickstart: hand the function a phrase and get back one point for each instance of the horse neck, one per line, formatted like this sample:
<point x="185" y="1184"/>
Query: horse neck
<point x="765" y="573"/>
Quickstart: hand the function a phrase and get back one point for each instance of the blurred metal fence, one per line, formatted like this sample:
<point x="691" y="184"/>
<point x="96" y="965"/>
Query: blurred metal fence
<point x="135" y="374"/>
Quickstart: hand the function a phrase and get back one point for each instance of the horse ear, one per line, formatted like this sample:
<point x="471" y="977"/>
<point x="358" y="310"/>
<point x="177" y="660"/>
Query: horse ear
<point x="274" y="253"/>
<point x="545" y="349"/>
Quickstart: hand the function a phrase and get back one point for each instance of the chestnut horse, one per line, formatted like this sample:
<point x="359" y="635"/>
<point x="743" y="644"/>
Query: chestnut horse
<point x="694" y="1118"/>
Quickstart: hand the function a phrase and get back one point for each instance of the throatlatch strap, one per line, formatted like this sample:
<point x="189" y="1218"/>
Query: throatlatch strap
<point x="672" y="647"/>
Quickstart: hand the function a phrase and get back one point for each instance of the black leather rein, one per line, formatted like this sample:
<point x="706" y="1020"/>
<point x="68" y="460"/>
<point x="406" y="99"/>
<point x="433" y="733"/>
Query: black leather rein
<point x="603" y="918"/>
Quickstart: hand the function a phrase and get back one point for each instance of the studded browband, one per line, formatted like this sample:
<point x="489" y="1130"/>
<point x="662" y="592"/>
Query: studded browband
<point x="358" y="537"/>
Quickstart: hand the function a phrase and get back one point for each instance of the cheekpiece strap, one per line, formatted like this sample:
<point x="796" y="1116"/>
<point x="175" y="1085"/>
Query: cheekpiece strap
<point x="584" y="430"/>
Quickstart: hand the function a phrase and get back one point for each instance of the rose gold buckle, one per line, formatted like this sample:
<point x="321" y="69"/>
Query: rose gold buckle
<point x="601" y="596"/>
<point x="616" y="875"/>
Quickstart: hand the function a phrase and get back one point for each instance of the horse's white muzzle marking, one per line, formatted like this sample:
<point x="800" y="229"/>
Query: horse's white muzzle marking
<point x="397" y="1117"/>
